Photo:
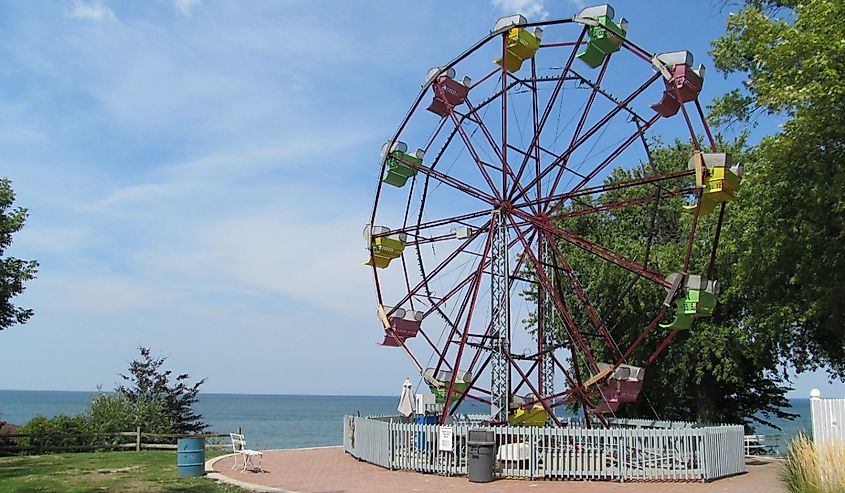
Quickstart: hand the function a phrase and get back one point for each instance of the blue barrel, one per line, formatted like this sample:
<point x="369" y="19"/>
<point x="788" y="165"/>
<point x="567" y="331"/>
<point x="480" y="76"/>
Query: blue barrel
<point x="190" y="456"/>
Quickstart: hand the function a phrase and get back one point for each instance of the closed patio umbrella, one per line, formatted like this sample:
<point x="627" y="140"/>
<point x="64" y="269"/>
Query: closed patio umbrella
<point x="407" y="404"/>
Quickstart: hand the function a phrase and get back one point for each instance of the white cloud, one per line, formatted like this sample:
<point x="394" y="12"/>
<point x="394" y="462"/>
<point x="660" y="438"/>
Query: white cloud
<point x="307" y="259"/>
<point x="186" y="7"/>
<point x="134" y="194"/>
<point x="95" y="10"/>
<point x="532" y="9"/>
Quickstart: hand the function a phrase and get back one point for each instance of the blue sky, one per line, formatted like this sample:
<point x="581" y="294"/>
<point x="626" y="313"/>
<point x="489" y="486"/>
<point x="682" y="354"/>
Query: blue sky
<point x="198" y="172"/>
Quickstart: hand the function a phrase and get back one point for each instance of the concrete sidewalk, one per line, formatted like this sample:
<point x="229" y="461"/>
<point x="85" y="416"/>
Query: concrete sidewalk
<point x="330" y="470"/>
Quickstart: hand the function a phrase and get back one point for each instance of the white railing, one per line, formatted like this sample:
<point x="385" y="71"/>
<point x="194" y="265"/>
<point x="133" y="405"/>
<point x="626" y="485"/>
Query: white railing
<point x="677" y="452"/>
<point x="763" y="444"/>
<point x="828" y="418"/>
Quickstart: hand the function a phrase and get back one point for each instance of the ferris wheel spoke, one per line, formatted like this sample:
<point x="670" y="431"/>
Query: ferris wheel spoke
<point x="613" y="155"/>
<point x="661" y="347"/>
<point x="575" y="339"/>
<point x="471" y="309"/>
<point x="442" y="265"/>
<point x="466" y="280"/>
<point x="535" y="139"/>
<point x="581" y="294"/>
<point x="481" y="165"/>
<point x="558" y="199"/>
<point x="562" y="160"/>
<point x="713" y="147"/>
<point x="643" y="334"/>
<point x="434" y="136"/>
<point x="582" y="121"/>
<point x="414" y="229"/>
<point x="505" y="167"/>
<point x="621" y="204"/>
<point x="548" y="285"/>
<point x="453" y="182"/>
<point x="486" y="132"/>
<point x="454" y="326"/>
<point x="575" y="384"/>
<point x="596" y="249"/>
<point x="610" y="97"/>
<point x="472" y="384"/>
<point x="589" y="133"/>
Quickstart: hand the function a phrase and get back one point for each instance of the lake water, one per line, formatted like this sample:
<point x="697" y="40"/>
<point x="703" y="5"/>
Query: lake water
<point x="280" y="421"/>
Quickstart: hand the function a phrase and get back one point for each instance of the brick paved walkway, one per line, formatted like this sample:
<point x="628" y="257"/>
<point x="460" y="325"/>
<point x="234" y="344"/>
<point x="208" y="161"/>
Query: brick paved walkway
<point x="330" y="470"/>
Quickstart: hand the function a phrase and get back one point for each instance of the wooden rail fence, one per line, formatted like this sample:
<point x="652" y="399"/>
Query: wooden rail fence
<point x="39" y="443"/>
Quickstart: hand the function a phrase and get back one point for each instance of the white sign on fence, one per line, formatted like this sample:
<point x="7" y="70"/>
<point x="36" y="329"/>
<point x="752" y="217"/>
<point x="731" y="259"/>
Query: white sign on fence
<point x="444" y="442"/>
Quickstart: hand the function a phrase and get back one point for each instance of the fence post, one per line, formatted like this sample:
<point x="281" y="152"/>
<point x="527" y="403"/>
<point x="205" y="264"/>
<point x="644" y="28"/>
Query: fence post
<point x="138" y="439"/>
<point x="41" y="440"/>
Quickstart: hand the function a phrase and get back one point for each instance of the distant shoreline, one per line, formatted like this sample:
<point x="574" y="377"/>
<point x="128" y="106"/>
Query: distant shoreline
<point x="215" y="393"/>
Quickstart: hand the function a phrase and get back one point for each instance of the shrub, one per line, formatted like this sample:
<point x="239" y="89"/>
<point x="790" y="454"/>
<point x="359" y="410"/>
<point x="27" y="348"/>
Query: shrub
<point x="59" y="431"/>
<point x="109" y="413"/>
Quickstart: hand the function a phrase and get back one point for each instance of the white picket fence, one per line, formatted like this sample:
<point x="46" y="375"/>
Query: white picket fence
<point x="828" y="418"/>
<point x="635" y="450"/>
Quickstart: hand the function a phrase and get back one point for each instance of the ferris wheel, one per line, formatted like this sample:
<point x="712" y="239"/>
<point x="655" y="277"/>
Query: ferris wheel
<point x="483" y="239"/>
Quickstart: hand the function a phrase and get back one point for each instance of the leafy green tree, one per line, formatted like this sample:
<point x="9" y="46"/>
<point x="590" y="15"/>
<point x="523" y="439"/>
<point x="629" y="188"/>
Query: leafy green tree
<point x="14" y="272"/>
<point x="150" y="383"/>
<point x="782" y="251"/>
<point x="793" y="234"/>
<point x="719" y="371"/>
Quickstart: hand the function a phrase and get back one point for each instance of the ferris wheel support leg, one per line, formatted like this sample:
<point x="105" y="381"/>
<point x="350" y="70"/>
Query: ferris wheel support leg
<point x="546" y="323"/>
<point x="500" y="321"/>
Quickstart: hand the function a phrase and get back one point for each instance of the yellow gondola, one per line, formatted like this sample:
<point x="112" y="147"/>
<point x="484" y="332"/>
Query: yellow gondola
<point x="383" y="249"/>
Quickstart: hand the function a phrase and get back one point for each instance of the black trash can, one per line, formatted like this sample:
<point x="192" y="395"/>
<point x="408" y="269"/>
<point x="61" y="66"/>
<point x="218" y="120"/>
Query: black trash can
<point x="481" y="460"/>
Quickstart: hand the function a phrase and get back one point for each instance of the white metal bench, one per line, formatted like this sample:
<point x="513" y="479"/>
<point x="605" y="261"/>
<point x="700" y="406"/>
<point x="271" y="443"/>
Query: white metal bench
<point x="240" y="450"/>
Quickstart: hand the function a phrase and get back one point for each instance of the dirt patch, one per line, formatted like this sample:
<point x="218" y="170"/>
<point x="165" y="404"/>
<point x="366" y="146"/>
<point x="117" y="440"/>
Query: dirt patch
<point x="118" y="470"/>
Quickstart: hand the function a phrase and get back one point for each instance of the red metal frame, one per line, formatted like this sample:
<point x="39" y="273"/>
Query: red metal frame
<point x="534" y="207"/>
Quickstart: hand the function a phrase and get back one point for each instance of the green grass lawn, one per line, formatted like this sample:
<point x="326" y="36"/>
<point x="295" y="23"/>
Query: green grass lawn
<point x="129" y="471"/>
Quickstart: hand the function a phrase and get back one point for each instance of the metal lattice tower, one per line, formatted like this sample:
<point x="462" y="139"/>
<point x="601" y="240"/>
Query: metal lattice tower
<point x="500" y="321"/>
<point x="546" y="322"/>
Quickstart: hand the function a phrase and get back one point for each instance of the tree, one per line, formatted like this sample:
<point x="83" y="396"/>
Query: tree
<point x="782" y="253"/>
<point x="793" y="237"/>
<point x="14" y="272"/>
<point x="719" y="371"/>
<point x="150" y="383"/>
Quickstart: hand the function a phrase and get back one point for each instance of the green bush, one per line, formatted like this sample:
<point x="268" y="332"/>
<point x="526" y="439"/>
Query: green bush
<point x="109" y="413"/>
<point x="59" y="431"/>
<point x="106" y="414"/>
